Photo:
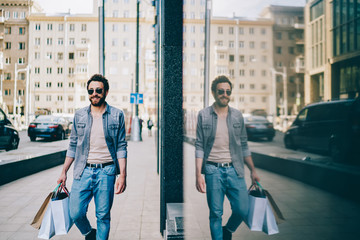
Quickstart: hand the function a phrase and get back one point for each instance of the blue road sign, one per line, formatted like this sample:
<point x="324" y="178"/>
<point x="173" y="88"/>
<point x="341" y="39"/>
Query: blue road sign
<point x="136" y="98"/>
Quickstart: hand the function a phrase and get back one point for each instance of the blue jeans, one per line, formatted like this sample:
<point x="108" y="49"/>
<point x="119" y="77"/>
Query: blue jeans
<point x="220" y="182"/>
<point x="97" y="183"/>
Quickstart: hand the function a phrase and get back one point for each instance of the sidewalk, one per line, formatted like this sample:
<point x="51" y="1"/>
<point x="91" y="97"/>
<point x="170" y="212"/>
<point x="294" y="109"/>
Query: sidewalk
<point x="135" y="213"/>
<point x="310" y="213"/>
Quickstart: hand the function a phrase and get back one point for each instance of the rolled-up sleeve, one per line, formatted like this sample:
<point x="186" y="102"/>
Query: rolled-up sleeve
<point x="122" y="144"/>
<point x="73" y="140"/>
<point x="199" y="142"/>
<point x="243" y="138"/>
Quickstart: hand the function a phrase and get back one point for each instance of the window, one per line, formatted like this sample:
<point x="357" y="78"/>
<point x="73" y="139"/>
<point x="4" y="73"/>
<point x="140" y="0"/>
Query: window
<point x="82" y="98"/>
<point x="83" y="41"/>
<point x="72" y="27"/>
<point x="278" y="50"/>
<point x="48" y="84"/>
<point x="49" y="55"/>
<point x="252" y="72"/>
<point x="242" y="72"/>
<point x="71" y="71"/>
<point x="114" y="42"/>
<point x="7" y="92"/>
<point x="61" y="27"/>
<point x="251" y="31"/>
<point x="71" y="84"/>
<point x="263" y="86"/>
<point x="241" y="30"/>
<point x="60" y="71"/>
<point x="22" y="15"/>
<point x="83" y="27"/>
<point x="241" y="86"/>
<point x="231" y="44"/>
<point x="263" y="31"/>
<point x="49" y="41"/>
<point x="8" y="60"/>
<point x="83" y="54"/>
<point x="37" y="26"/>
<point x="7" y="76"/>
<point x="60" y="56"/>
<point x="242" y="58"/>
<point x="7" y="30"/>
<point x="278" y="35"/>
<point x="21" y="60"/>
<point x="48" y="98"/>
<point x="231" y="30"/>
<point x="7" y="45"/>
<point x="126" y="14"/>
<point x="37" y="98"/>
<point x="37" y="70"/>
<point x="231" y="58"/>
<point x="70" y="98"/>
<point x="125" y="28"/>
<point x="49" y="70"/>
<point x="252" y="44"/>
<point x="220" y="30"/>
<point x="15" y="15"/>
<point x="59" y="98"/>
<point x="115" y="27"/>
<point x="263" y="73"/>
<point x="37" y="41"/>
<point x="37" y="84"/>
<point x="60" y="41"/>
<point x="291" y="50"/>
<point x="21" y="31"/>
<point x="71" y="56"/>
<point x="241" y="44"/>
<point x="263" y="45"/>
<point x="71" y="41"/>
<point x="115" y="14"/>
<point x="21" y="92"/>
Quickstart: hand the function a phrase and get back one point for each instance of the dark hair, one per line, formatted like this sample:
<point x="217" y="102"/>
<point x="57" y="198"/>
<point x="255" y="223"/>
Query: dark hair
<point x="99" y="78"/>
<point x="220" y="79"/>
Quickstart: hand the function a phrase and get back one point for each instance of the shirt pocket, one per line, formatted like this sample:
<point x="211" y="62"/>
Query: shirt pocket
<point x="237" y="129"/>
<point x="80" y="128"/>
<point x="207" y="130"/>
<point x="114" y="128"/>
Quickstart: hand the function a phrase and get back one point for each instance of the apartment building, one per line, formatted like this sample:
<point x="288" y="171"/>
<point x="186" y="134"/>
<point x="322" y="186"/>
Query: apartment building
<point x="289" y="58"/>
<point x="14" y="47"/>
<point x="239" y="48"/>
<point x="332" y="49"/>
<point x="64" y="53"/>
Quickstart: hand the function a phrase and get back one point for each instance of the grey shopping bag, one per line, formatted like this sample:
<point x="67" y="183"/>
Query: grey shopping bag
<point x="47" y="229"/>
<point x="269" y="227"/>
<point x="257" y="208"/>
<point x="61" y="211"/>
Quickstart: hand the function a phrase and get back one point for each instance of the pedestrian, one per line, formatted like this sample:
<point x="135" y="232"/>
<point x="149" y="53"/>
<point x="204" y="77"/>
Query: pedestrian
<point x="221" y="152"/>
<point x="141" y="126"/>
<point x="98" y="150"/>
<point x="150" y="124"/>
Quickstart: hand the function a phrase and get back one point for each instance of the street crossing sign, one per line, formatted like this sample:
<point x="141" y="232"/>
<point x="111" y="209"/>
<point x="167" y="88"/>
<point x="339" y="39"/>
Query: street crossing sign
<point x="136" y="98"/>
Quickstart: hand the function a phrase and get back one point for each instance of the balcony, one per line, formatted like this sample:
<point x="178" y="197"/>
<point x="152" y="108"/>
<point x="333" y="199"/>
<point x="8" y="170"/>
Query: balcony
<point x="2" y="19"/>
<point x="221" y="49"/>
<point x="82" y="47"/>
<point x="300" y="64"/>
<point x="299" y="41"/>
<point x="299" y="26"/>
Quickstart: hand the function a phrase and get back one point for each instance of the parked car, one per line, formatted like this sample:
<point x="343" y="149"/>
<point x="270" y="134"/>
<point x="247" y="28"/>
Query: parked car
<point x="48" y="126"/>
<point x="9" y="136"/>
<point x="258" y="127"/>
<point x="332" y="127"/>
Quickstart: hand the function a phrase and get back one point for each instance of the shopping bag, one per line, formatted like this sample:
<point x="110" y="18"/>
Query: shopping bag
<point x="47" y="229"/>
<point x="257" y="208"/>
<point x="61" y="211"/>
<point x="36" y="222"/>
<point x="276" y="210"/>
<point x="270" y="227"/>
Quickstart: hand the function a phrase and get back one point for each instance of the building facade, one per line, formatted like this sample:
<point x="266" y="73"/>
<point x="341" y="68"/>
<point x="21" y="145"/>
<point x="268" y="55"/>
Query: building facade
<point x="333" y="49"/>
<point x="288" y="57"/>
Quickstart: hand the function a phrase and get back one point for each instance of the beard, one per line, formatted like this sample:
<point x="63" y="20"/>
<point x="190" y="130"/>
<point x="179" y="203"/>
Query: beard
<point x="97" y="101"/>
<point x="223" y="102"/>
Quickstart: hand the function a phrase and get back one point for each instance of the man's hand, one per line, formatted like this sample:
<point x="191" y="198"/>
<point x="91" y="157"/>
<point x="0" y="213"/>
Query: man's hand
<point x="254" y="177"/>
<point x="200" y="184"/>
<point x="62" y="179"/>
<point x="120" y="184"/>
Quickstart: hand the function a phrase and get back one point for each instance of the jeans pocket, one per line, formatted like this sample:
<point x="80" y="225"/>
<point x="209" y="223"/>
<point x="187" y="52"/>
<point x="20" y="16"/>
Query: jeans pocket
<point x="110" y="170"/>
<point x="210" y="169"/>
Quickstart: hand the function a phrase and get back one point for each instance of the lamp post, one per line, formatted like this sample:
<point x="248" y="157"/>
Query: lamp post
<point x="207" y="51"/>
<point x="27" y="102"/>
<point x="285" y="103"/>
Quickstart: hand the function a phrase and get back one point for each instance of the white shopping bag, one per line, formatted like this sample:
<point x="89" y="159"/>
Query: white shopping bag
<point x="47" y="229"/>
<point x="61" y="213"/>
<point x="257" y="208"/>
<point x="270" y="227"/>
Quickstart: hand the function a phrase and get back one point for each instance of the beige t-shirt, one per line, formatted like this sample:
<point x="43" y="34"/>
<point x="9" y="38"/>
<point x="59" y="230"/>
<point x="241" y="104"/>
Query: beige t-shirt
<point x="99" y="152"/>
<point x="220" y="151"/>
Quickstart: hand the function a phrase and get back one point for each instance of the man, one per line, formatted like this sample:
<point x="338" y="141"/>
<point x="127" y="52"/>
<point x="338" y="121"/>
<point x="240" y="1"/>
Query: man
<point x="150" y="124"/>
<point x="99" y="150"/>
<point x="221" y="151"/>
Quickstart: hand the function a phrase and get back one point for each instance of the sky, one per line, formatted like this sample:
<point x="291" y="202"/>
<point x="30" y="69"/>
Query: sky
<point x="223" y="8"/>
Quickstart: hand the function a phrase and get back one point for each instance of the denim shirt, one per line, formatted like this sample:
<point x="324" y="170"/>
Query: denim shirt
<point x="114" y="131"/>
<point x="205" y="137"/>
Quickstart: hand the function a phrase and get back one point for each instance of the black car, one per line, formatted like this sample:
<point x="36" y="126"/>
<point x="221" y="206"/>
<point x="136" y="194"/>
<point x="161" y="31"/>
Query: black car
<point x="9" y="136"/>
<point x="259" y="127"/>
<point x="332" y="127"/>
<point x="48" y="126"/>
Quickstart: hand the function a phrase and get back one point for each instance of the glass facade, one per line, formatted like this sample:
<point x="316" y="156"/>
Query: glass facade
<point x="345" y="26"/>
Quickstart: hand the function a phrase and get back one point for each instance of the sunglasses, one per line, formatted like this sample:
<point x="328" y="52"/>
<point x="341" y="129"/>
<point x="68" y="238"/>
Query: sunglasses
<point x="222" y="91"/>
<point x="98" y="91"/>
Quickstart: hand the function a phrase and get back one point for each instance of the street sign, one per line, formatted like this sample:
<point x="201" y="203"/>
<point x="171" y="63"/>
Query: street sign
<point x="136" y="98"/>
